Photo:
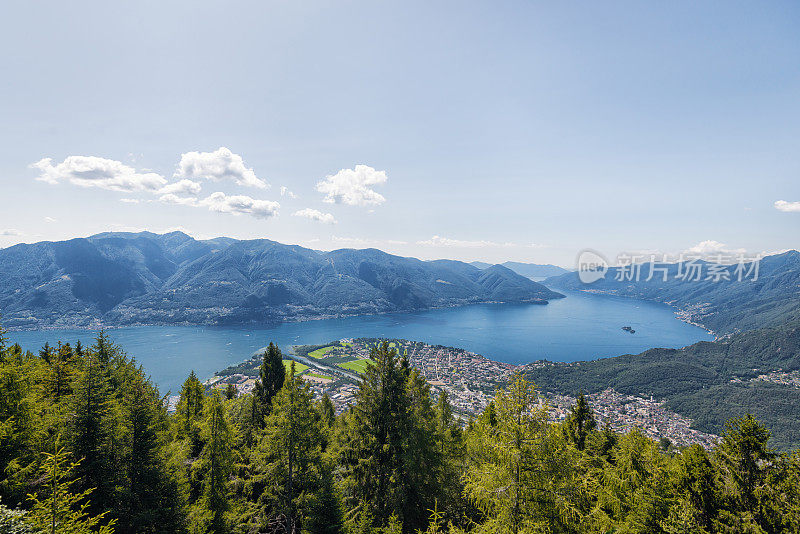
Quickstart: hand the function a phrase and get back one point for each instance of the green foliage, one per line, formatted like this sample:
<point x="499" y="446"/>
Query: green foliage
<point x="396" y="461"/>
<point x="707" y="382"/>
<point x="271" y="376"/>
<point x="59" y="510"/>
<point x="387" y="449"/>
<point x="214" y="469"/>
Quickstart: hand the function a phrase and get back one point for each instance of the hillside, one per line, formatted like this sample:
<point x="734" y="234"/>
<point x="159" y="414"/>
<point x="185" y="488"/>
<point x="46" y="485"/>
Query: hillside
<point x="710" y="382"/>
<point x="528" y="270"/>
<point x="145" y="278"/>
<point x="724" y="306"/>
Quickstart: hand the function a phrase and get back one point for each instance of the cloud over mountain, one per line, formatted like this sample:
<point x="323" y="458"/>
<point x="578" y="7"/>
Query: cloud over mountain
<point x="315" y="215"/>
<point x="353" y="186"/>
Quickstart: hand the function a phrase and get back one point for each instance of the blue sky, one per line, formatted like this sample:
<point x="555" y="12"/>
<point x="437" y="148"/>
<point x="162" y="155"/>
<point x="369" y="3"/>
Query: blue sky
<point x="492" y="131"/>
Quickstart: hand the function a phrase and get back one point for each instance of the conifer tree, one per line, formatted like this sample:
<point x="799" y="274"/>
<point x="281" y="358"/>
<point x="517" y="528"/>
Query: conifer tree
<point x="580" y="422"/>
<point x="150" y="497"/>
<point x="271" y="376"/>
<point x="743" y="457"/>
<point x="289" y="458"/>
<point x="56" y="509"/>
<point x="17" y="429"/>
<point x="189" y="410"/>
<point x="387" y="446"/>
<point x="214" y="467"/>
<point x="92" y="431"/>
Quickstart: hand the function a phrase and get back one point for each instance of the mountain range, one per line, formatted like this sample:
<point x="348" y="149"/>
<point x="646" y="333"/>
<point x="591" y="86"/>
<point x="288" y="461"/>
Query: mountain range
<point x="528" y="270"/>
<point x="768" y="296"/>
<point x="116" y="279"/>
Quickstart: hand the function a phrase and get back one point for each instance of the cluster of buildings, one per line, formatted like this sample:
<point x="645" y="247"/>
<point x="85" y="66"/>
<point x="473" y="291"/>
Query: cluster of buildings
<point x="623" y="413"/>
<point x="786" y="378"/>
<point x="471" y="380"/>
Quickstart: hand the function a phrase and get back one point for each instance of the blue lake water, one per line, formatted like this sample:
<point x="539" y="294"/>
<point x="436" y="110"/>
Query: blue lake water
<point x="579" y="327"/>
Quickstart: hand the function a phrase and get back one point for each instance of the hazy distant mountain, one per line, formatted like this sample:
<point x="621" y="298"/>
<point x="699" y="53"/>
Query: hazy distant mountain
<point x="528" y="270"/>
<point x="145" y="278"/>
<point x="723" y="306"/>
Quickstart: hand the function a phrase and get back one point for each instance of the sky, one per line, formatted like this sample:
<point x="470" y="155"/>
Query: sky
<point x="490" y="131"/>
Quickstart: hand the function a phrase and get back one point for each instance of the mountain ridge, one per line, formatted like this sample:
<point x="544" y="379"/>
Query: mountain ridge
<point x="121" y="279"/>
<point x="528" y="270"/>
<point x="724" y="306"/>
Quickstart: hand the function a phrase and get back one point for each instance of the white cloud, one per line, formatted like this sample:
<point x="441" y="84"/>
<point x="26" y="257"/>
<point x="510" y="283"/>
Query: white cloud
<point x="233" y="204"/>
<point x="181" y="187"/>
<point x="222" y="164"/>
<point x="353" y="186"/>
<point x="50" y="220"/>
<point x="361" y="242"/>
<point x="783" y="205"/>
<point x="10" y="232"/>
<point x="130" y="200"/>
<point x="315" y="215"/>
<point x="92" y="171"/>
<point x="240" y="205"/>
<point x="285" y="192"/>
<point x="171" y="198"/>
<point x="711" y="247"/>
<point x="439" y="241"/>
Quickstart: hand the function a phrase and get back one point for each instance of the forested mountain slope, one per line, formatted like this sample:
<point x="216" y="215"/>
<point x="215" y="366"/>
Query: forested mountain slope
<point x="146" y="278"/>
<point x="769" y="299"/>
<point x="709" y="382"/>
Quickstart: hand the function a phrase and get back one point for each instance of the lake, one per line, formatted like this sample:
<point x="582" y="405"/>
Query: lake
<point x="580" y="327"/>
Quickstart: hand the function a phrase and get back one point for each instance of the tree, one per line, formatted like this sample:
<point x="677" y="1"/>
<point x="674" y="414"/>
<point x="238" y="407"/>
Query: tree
<point x="694" y="482"/>
<point x="17" y="429"/>
<point x="580" y="422"/>
<point x="58" y="510"/>
<point x="230" y="392"/>
<point x="92" y="431"/>
<point x="386" y="446"/>
<point x="57" y="373"/>
<point x="3" y="341"/>
<point x="214" y="467"/>
<point x="189" y="410"/>
<point x="744" y="458"/>
<point x="524" y="475"/>
<point x="289" y="459"/>
<point x="150" y="497"/>
<point x="271" y="376"/>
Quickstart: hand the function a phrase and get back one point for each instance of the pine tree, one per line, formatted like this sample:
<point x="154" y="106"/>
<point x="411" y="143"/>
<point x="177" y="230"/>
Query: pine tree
<point x="92" y="431"/>
<point x="290" y="458"/>
<point x="523" y="476"/>
<point x="150" y="497"/>
<point x="580" y="422"/>
<point x="3" y="341"/>
<point x="271" y="376"/>
<point x="57" y="509"/>
<point x="17" y="429"/>
<point x="189" y="410"/>
<point x="743" y="457"/>
<point x="57" y="374"/>
<point x="387" y="447"/>
<point x="216" y="462"/>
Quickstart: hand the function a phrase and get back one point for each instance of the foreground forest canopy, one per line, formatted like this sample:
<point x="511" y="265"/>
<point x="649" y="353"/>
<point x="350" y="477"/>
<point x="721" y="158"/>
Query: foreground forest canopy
<point x="87" y="445"/>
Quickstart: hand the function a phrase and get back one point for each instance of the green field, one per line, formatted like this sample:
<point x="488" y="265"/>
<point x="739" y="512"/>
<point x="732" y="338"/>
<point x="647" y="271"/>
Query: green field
<point x="298" y="367"/>
<point x="319" y="353"/>
<point x="359" y="366"/>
